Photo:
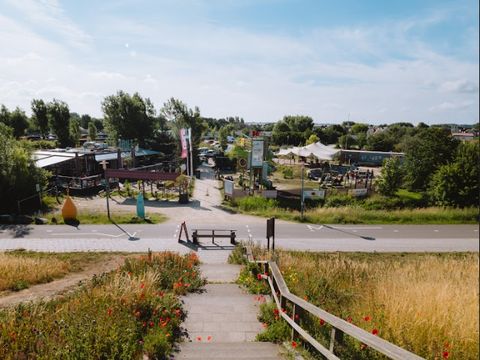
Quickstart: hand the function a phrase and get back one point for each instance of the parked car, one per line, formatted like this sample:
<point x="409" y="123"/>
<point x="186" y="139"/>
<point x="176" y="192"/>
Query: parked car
<point x="314" y="174"/>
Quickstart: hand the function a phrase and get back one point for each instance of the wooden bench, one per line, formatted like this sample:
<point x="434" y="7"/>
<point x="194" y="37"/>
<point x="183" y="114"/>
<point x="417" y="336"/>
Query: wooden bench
<point x="214" y="233"/>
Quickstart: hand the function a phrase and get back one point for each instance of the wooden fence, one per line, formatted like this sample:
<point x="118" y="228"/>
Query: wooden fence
<point x="339" y="327"/>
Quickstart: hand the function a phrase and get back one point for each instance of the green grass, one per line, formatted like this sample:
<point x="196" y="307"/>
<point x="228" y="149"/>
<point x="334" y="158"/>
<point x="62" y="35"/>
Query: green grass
<point x="411" y="195"/>
<point x="356" y="214"/>
<point x="120" y="218"/>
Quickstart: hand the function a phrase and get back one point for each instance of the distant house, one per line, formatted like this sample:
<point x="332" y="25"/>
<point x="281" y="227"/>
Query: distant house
<point x="463" y="136"/>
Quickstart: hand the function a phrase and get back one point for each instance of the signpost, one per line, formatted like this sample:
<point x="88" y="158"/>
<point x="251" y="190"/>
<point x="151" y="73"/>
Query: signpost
<point x="271" y="233"/>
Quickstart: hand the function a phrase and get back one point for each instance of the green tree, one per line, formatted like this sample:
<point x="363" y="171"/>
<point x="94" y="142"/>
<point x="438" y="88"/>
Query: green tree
<point x="75" y="131"/>
<point x="18" y="174"/>
<point x="391" y="177"/>
<point x="85" y="121"/>
<point x="380" y="141"/>
<point x="180" y="116"/>
<point x="312" y="139"/>
<point x="92" y="131"/>
<point x="59" y="120"/>
<point x="456" y="184"/>
<point x="19" y="122"/>
<point x="4" y="115"/>
<point x="346" y="141"/>
<point x="129" y="117"/>
<point x="40" y="116"/>
<point x="425" y="152"/>
<point x="359" y="128"/>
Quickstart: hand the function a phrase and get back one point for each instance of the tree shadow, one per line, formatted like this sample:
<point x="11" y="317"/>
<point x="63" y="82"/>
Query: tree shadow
<point x="17" y="231"/>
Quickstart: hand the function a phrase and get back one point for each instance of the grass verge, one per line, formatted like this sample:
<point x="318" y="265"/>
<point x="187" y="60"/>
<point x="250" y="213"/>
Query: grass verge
<point x="356" y="214"/>
<point x="102" y="218"/>
<point x="21" y="269"/>
<point x="127" y="314"/>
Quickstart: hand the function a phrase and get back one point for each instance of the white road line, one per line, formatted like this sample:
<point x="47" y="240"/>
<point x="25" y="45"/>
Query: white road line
<point x="313" y="228"/>
<point x="395" y="230"/>
<point x="476" y="230"/>
<point x="357" y="228"/>
<point x="436" y="230"/>
<point x="82" y="234"/>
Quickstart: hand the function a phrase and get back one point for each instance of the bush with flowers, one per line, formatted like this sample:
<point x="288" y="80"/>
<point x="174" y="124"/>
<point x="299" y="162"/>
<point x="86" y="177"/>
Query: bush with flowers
<point x="125" y="314"/>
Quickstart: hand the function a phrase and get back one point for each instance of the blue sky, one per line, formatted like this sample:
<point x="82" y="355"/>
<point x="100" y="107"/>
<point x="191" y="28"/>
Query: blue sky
<point x="377" y="61"/>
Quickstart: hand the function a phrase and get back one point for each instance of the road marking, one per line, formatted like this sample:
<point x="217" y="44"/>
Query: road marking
<point x="354" y="230"/>
<point x="81" y="234"/>
<point x="476" y="230"/>
<point x="49" y="231"/>
<point x="358" y="228"/>
<point x="395" y="230"/>
<point x="313" y="228"/>
<point x="436" y="230"/>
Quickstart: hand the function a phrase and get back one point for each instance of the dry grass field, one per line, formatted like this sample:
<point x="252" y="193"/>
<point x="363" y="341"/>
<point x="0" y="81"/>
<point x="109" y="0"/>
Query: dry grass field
<point x="426" y="303"/>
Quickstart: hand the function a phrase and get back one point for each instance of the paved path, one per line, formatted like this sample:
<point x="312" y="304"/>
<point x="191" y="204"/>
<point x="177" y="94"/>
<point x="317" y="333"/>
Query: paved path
<point x="222" y="322"/>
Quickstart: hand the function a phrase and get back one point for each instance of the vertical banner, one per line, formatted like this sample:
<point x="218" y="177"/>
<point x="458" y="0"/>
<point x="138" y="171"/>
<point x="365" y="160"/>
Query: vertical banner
<point x="183" y="140"/>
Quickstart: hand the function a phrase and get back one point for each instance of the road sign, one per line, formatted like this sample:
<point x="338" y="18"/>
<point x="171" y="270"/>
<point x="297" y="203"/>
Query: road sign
<point x="257" y="153"/>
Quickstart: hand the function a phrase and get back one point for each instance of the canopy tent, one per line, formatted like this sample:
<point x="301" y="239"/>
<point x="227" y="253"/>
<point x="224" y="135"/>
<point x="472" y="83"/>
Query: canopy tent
<point x="317" y="150"/>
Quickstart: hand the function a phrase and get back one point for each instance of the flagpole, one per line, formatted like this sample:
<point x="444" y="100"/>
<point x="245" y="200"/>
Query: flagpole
<point x="191" y="152"/>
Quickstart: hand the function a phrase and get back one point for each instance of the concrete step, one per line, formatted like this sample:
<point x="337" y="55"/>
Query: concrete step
<point x="230" y="351"/>
<point x="220" y="273"/>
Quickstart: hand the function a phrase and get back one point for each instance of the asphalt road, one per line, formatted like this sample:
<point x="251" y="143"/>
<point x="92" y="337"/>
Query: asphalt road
<point x="381" y="238"/>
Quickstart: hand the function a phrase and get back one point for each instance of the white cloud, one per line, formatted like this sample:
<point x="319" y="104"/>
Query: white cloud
<point x="49" y="15"/>
<point x="460" y="86"/>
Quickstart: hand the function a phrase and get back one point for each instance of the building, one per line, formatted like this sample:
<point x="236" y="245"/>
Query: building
<point x="366" y="158"/>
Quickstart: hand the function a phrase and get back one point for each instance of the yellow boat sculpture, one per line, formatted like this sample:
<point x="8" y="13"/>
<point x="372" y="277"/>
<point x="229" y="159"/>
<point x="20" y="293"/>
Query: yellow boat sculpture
<point x="69" y="210"/>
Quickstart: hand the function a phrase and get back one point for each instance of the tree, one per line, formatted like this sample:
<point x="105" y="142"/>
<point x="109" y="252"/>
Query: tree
<point x="425" y="153"/>
<point x="346" y="141"/>
<point x="456" y="184"/>
<point x="59" y="119"/>
<point x="4" y="115"/>
<point x="85" y="120"/>
<point x="381" y="141"/>
<point x="19" y="122"/>
<point x="92" y="131"/>
<point x="391" y="177"/>
<point x="75" y="131"/>
<point x="180" y="116"/>
<point x="359" y="128"/>
<point x="129" y="117"/>
<point x="312" y="139"/>
<point x="40" y="116"/>
<point x="18" y="174"/>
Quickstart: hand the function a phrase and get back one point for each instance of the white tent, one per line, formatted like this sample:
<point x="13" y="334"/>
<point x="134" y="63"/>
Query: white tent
<point x="318" y="150"/>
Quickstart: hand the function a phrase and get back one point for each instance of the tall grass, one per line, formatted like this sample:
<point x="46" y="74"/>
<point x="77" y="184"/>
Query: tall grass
<point x="426" y="303"/>
<point x="358" y="215"/>
<point x="18" y="272"/>
<point x="131" y="313"/>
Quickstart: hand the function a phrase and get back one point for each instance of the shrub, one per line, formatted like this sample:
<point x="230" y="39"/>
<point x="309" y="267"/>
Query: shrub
<point x="249" y="277"/>
<point x="287" y="173"/>
<point x="339" y="201"/>
<point x="256" y="203"/>
<point x="276" y="328"/>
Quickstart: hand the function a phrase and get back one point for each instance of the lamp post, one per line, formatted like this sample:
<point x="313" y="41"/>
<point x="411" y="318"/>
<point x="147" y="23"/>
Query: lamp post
<point x="107" y="186"/>
<point x="302" y="199"/>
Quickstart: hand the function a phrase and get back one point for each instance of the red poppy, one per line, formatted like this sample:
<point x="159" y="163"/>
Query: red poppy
<point x="259" y="276"/>
<point x="275" y="311"/>
<point x="349" y="319"/>
<point x="142" y="285"/>
<point x="296" y="316"/>
<point x="109" y="311"/>
<point x="294" y="344"/>
<point x="151" y="324"/>
<point x="375" y="332"/>
<point x="209" y="338"/>
<point x="199" y="338"/>
<point x="367" y="318"/>
<point x="322" y="322"/>
<point x="445" y="354"/>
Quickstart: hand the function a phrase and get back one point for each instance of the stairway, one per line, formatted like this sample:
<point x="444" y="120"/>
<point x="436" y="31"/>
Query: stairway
<point x="222" y="321"/>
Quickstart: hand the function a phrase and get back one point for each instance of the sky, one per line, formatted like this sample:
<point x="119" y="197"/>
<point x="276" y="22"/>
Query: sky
<point x="368" y="61"/>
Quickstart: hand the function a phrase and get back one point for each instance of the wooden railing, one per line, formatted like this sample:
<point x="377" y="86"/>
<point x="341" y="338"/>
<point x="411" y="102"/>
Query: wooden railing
<point x="339" y="327"/>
